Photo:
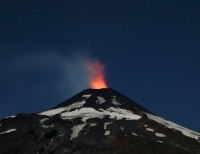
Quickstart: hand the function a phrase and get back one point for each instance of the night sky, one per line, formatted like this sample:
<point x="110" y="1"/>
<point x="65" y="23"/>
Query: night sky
<point x="151" y="51"/>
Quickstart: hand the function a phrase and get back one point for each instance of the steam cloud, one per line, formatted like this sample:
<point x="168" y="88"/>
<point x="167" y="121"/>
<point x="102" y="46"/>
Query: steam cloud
<point x="75" y="76"/>
<point x="45" y="75"/>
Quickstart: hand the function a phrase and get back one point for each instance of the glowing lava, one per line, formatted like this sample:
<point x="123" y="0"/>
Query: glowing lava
<point x="96" y="74"/>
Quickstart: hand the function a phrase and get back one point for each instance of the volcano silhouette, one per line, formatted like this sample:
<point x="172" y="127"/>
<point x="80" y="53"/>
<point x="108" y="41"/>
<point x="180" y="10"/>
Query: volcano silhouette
<point x="95" y="121"/>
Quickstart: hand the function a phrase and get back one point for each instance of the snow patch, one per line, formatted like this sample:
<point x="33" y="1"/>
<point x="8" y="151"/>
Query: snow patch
<point x="134" y="134"/>
<point x="106" y="124"/>
<point x="53" y="112"/>
<point x="114" y="101"/>
<point x="61" y="135"/>
<point x="93" y="124"/>
<point x="75" y="105"/>
<point x="145" y="125"/>
<point x="10" y="116"/>
<point x="45" y="126"/>
<point x="122" y="128"/>
<point x="160" y="135"/>
<point x="160" y="141"/>
<point x="43" y="120"/>
<point x="76" y="130"/>
<point x="86" y="96"/>
<point x="107" y="133"/>
<point x="101" y="100"/>
<point x="9" y="131"/>
<point x="172" y="125"/>
<point x="149" y="129"/>
<point x="87" y="113"/>
<point x="62" y="109"/>
<point x="119" y="113"/>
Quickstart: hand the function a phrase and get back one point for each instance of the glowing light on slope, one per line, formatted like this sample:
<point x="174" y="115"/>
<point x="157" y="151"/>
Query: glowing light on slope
<point x="96" y="74"/>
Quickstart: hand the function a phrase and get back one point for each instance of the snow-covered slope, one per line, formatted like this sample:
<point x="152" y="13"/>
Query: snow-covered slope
<point x="95" y="121"/>
<point x="171" y="125"/>
<point x="107" y="102"/>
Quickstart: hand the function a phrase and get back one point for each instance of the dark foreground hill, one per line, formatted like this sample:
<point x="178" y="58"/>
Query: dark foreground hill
<point x="100" y="121"/>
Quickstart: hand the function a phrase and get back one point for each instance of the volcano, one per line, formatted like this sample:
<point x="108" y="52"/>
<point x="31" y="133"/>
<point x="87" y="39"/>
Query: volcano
<point x="95" y="121"/>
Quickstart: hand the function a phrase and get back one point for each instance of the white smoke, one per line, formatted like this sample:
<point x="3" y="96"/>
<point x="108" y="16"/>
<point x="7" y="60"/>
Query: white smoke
<point x="75" y="74"/>
<point x="44" y="75"/>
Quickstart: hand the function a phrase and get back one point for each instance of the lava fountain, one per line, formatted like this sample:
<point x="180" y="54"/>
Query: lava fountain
<point x="96" y="74"/>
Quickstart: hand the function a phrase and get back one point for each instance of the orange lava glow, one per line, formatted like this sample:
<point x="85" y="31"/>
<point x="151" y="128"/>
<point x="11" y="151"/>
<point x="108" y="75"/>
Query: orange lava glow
<point x="96" y="75"/>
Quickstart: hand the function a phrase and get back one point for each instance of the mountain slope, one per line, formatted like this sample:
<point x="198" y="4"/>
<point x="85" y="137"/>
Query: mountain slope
<point x="95" y="121"/>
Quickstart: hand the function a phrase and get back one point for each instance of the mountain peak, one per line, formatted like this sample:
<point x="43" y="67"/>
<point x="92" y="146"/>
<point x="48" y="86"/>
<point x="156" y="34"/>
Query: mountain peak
<point x="106" y="102"/>
<point x="103" y="99"/>
<point x="96" y="121"/>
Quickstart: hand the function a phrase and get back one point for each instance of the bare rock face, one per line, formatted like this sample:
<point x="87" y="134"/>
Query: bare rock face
<point x="99" y="121"/>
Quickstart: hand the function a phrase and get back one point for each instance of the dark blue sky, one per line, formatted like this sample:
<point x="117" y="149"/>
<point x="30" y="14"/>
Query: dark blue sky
<point x="151" y="50"/>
